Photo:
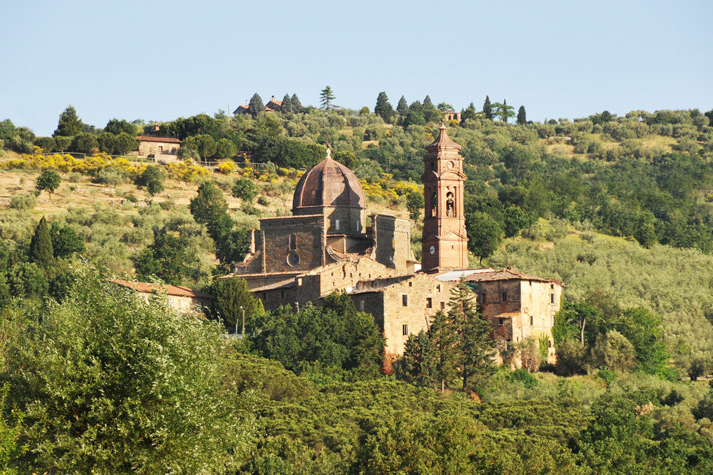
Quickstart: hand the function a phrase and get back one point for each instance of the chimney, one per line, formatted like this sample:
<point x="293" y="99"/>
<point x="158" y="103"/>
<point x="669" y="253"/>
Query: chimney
<point x="273" y="99"/>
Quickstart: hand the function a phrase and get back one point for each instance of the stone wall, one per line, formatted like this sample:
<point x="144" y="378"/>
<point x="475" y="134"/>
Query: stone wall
<point x="288" y="244"/>
<point x="392" y="237"/>
<point x="162" y="151"/>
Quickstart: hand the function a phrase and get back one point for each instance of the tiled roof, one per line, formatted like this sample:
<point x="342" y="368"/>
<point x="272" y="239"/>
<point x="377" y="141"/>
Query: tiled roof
<point x="144" y="138"/>
<point x="506" y="274"/>
<point x="283" y="284"/>
<point x="173" y="290"/>
<point x="442" y="141"/>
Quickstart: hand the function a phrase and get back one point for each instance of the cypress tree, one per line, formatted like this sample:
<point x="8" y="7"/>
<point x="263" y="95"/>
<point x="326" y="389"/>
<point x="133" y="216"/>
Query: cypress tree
<point x="383" y="107"/>
<point x="488" y="109"/>
<point x="443" y="339"/>
<point x="296" y="104"/>
<point x="402" y="107"/>
<point x="41" y="252"/>
<point x="468" y="113"/>
<point x="256" y="105"/>
<point x="286" y="104"/>
<point x="521" y="116"/>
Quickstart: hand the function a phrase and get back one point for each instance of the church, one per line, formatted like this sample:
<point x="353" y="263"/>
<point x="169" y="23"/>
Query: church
<point x="328" y="245"/>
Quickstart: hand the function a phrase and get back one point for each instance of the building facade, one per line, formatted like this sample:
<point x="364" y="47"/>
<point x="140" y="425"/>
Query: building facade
<point x="161" y="149"/>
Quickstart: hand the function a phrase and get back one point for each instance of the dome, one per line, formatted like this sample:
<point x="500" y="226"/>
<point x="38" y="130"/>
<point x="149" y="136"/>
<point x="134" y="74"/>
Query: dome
<point x="329" y="183"/>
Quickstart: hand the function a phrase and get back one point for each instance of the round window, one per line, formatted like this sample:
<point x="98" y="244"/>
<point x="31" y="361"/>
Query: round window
<point x="293" y="259"/>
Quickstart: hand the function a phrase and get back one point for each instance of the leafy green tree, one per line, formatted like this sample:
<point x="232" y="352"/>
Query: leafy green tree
<point x="27" y="279"/>
<point x="296" y="104"/>
<point x="41" y="246"/>
<point x="233" y="301"/>
<point x="47" y="144"/>
<point x="414" y="204"/>
<point x="383" y="108"/>
<point x="256" y="106"/>
<point x="474" y="344"/>
<point x="85" y="143"/>
<point x="514" y="220"/>
<point x="245" y="189"/>
<point x="69" y="123"/>
<point x="445" y="107"/>
<point x="167" y="258"/>
<point x="484" y="234"/>
<point x="225" y="148"/>
<point x="153" y="178"/>
<point x="488" y="108"/>
<point x="326" y="97"/>
<point x="521" y="116"/>
<point x="335" y="335"/>
<point x="571" y="357"/>
<point x="111" y="384"/>
<point x="645" y="332"/>
<point x="204" y="144"/>
<point x="468" y="113"/>
<point x="125" y="143"/>
<point x="62" y="143"/>
<point x="65" y="241"/>
<point x="577" y="320"/>
<point x="10" y="432"/>
<point x="503" y="110"/>
<point x="347" y="158"/>
<point x="402" y="107"/>
<point x="614" y="352"/>
<point x="117" y="127"/>
<point x="49" y="181"/>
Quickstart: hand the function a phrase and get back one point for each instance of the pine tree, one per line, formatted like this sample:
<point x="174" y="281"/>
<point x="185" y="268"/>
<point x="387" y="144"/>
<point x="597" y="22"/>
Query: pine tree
<point x="474" y="343"/>
<point x="402" y="107"/>
<point x="286" y="104"/>
<point x="256" y="105"/>
<point x="296" y="104"/>
<point x="326" y="97"/>
<point x="488" y="109"/>
<point x="418" y="364"/>
<point x="383" y="107"/>
<point x="468" y="113"/>
<point x="41" y="252"/>
<point x="430" y="113"/>
<point x="69" y="123"/>
<point x="521" y="116"/>
<point x="443" y="338"/>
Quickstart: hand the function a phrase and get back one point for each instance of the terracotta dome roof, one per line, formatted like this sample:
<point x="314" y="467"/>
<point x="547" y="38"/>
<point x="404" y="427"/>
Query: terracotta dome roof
<point x="329" y="183"/>
<point x="442" y="141"/>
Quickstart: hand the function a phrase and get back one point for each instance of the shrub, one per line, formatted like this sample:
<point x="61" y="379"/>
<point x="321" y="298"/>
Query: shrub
<point x="110" y="176"/>
<point x="23" y="202"/>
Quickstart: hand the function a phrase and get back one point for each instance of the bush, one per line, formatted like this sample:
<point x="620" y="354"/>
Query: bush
<point x="110" y="176"/>
<point x="23" y="202"/>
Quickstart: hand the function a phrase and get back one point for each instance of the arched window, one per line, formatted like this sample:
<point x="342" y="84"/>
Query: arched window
<point x="434" y="204"/>
<point x="450" y="205"/>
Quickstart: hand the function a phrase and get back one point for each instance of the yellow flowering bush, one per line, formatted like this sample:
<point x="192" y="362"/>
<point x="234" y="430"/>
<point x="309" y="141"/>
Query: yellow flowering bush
<point x="186" y="171"/>
<point x="387" y="188"/>
<point x="226" y="167"/>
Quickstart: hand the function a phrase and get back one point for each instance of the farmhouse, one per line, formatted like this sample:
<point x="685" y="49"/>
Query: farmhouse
<point x="181" y="299"/>
<point x="161" y="149"/>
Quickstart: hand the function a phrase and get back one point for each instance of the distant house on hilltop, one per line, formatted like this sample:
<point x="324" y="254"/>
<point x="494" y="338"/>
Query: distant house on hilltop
<point x="273" y="106"/>
<point x="162" y="149"/>
<point x="181" y="299"/>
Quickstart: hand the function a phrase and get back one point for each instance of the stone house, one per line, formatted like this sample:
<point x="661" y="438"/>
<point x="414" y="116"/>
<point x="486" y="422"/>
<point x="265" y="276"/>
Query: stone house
<point x="161" y="149"/>
<point x="273" y="106"/>
<point x="181" y="299"/>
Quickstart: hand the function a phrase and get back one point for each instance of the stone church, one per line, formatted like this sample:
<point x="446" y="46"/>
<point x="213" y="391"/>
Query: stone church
<point x="327" y="245"/>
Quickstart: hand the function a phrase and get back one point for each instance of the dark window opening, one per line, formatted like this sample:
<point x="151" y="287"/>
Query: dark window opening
<point x="501" y="321"/>
<point x="532" y="320"/>
<point x="293" y="242"/>
<point x="429" y="302"/>
<point x="504" y="297"/>
<point x="482" y="298"/>
<point x="552" y="298"/>
<point x="282" y="294"/>
<point x="443" y="305"/>
<point x="404" y="300"/>
<point x="404" y="329"/>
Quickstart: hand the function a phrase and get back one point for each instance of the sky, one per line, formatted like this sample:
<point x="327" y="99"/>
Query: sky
<point x="161" y="60"/>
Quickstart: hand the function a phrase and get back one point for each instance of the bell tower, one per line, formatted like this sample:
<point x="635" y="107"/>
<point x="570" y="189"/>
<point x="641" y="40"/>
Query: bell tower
<point x="444" y="242"/>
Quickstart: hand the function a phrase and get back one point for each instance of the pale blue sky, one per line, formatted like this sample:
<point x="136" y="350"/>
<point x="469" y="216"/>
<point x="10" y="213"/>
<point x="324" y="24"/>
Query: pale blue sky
<point x="159" y="60"/>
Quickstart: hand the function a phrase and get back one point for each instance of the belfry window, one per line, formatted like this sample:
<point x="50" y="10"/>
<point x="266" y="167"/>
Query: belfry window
<point x="450" y="205"/>
<point x="434" y="205"/>
<point x="293" y="242"/>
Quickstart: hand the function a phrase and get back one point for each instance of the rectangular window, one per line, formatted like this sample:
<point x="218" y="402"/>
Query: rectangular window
<point x="482" y="299"/>
<point x="552" y="299"/>
<point x="443" y="305"/>
<point x="404" y="300"/>
<point x="336" y="224"/>
<point x="361" y="305"/>
<point x="532" y="320"/>
<point x="282" y="294"/>
<point x="429" y="302"/>
<point x="293" y="242"/>
<point x="501" y="321"/>
<point x="504" y="297"/>
<point x="404" y="329"/>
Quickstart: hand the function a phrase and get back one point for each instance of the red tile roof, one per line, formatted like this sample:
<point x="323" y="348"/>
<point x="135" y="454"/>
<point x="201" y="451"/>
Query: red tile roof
<point x="442" y="141"/>
<point x="144" y="138"/>
<point x="506" y="274"/>
<point x="173" y="290"/>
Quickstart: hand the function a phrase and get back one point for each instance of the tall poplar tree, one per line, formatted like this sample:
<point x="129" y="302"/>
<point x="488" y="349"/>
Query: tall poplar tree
<point x="41" y="252"/>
